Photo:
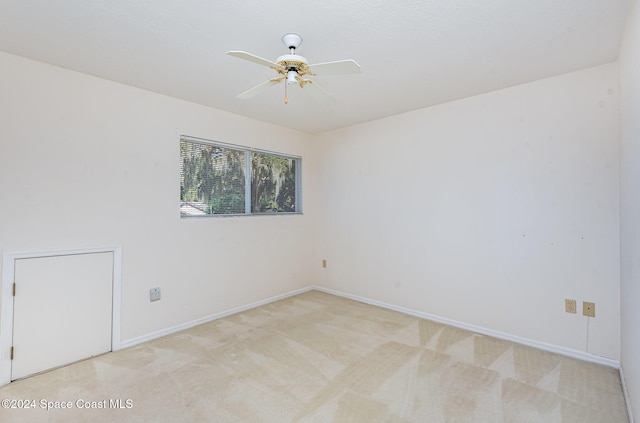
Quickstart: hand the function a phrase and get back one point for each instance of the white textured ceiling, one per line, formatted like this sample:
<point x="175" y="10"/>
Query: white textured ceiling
<point x="413" y="53"/>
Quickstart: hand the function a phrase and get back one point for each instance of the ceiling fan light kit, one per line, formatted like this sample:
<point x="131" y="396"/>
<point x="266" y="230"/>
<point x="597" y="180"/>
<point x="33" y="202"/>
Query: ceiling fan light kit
<point x="292" y="77"/>
<point x="292" y="67"/>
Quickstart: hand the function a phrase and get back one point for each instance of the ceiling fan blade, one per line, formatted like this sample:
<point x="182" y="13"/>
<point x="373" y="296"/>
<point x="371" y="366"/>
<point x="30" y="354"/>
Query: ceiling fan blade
<point x="258" y="89"/>
<point x="340" y="67"/>
<point x="319" y="93"/>
<point x="253" y="58"/>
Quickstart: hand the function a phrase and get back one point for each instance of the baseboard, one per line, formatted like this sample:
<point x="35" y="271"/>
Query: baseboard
<point x="478" y="329"/>
<point x="580" y="355"/>
<point x="626" y="395"/>
<point x="173" y="329"/>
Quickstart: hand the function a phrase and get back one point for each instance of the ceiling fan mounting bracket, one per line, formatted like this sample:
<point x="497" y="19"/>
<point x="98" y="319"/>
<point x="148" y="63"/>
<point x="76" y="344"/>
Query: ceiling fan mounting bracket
<point x="291" y="40"/>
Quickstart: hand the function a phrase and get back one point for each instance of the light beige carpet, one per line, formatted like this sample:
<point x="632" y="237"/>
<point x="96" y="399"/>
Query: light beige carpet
<point x="316" y="357"/>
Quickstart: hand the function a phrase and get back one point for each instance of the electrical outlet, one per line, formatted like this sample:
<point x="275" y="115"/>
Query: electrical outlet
<point x="324" y="263"/>
<point x="154" y="294"/>
<point x="570" y="306"/>
<point x="589" y="309"/>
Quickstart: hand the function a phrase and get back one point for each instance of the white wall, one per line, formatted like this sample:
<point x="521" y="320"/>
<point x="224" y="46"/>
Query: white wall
<point x="488" y="211"/>
<point x="88" y="162"/>
<point x="630" y="204"/>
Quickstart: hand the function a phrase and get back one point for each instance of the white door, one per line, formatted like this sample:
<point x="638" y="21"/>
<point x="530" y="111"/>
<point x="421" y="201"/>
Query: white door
<point x="62" y="310"/>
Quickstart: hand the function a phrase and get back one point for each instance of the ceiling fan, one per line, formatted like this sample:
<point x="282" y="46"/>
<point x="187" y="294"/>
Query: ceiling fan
<point x="292" y="68"/>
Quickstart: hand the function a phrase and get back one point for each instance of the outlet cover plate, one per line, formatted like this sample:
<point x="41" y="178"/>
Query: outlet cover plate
<point x="154" y="294"/>
<point x="570" y="306"/>
<point x="589" y="309"/>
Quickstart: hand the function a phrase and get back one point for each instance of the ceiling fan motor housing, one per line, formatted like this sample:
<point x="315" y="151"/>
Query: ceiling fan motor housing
<point x="293" y="62"/>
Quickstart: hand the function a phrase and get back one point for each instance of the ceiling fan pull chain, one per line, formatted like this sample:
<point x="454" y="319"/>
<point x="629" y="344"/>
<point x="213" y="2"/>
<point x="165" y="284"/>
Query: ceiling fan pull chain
<point x="286" y="100"/>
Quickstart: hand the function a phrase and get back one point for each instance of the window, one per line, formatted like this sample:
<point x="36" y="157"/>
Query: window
<point x="213" y="180"/>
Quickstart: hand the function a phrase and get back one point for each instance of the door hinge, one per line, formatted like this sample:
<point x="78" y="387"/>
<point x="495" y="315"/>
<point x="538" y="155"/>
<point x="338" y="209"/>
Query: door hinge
<point x="11" y="353"/>
<point x="14" y="289"/>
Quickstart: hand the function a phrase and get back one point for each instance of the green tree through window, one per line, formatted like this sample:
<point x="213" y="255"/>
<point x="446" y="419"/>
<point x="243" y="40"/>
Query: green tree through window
<point x="213" y="180"/>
